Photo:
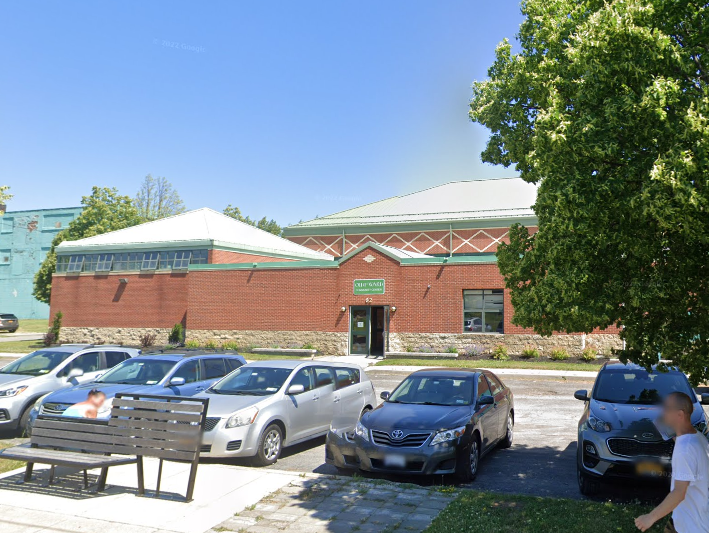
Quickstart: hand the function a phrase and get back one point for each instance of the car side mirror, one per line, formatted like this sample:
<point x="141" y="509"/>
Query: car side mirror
<point x="296" y="389"/>
<point x="75" y="373"/>
<point x="581" y="395"/>
<point x="486" y="400"/>
<point x="705" y="399"/>
<point x="385" y="395"/>
<point x="176" y="382"/>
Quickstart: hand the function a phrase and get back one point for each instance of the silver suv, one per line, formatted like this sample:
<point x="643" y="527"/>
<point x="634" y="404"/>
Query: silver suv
<point x="27" y="379"/>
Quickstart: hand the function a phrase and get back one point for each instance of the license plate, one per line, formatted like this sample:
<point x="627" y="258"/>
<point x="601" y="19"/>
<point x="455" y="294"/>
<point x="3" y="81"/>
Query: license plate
<point x="395" y="461"/>
<point x="648" y="468"/>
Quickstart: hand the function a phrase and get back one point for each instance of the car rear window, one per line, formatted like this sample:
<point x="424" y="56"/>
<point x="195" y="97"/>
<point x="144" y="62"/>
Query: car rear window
<point x="214" y="368"/>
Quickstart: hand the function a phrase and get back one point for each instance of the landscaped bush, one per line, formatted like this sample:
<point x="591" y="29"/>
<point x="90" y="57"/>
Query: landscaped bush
<point x="230" y="346"/>
<point x="177" y="334"/>
<point x="559" y="354"/>
<point x="500" y="352"/>
<point x="408" y="348"/>
<point x="308" y="346"/>
<point x="451" y="349"/>
<point x="529" y="352"/>
<point x="49" y="338"/>
<point x="473" y="350"/>
<point x="211" y="345"/>
<point x="588" y="354"/>
<point x="192" y="344"/>
<point x="147" y="340"/>
<point x="425" y="348"/>
<point x="56" y="327"/>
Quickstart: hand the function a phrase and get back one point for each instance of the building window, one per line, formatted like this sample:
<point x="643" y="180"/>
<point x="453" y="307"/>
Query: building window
<point x="135" y="261"/>
<point x="75" y="263"/>
<point x="104" y="263"/>
<point x="62" y="263"/>
<point x="182" y="260"/>
<point x="90" y="262"/>
<point x="150" y="261"/>
<point x="483" y="311"/>
<point x="120" y="262"/>
<point x="199" y="257"/>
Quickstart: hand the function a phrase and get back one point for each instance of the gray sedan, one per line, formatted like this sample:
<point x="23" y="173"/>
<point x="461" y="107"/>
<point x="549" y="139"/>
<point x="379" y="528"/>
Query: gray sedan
<point x="265" y="406"/>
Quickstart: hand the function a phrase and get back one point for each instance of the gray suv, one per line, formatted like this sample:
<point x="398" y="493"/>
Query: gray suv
<point x="617" y="437"/>
<point x="25" y="380"/>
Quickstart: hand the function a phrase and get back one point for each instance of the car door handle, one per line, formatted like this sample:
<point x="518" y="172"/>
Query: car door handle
<point x="199" y="389"/>
<point x="337" y="400"/>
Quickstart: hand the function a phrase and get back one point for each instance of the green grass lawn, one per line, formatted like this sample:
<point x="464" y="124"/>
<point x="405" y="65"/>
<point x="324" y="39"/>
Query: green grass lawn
<point x="8" y="464"/>
<point x="484" y="512"/>
<point x="492" y="363"/>
<point x="20" y="346"/>
<point x="31" y="326"/>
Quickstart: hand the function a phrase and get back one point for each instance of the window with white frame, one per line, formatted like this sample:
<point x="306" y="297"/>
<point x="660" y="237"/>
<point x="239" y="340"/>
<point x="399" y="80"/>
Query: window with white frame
<point x="483" y="311"/>
<point x="182" y="260"/>
<point x="150" y="261"/>
<point x="76" y="262"/>
<point x="104" y="263"/>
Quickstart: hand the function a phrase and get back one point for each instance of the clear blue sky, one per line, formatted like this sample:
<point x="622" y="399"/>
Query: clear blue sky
<point x="289" y="109"/>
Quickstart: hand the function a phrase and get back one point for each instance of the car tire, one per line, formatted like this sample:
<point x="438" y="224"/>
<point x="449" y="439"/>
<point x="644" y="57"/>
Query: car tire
<point x="469" y="461"/>
<point x="270" y="444"/>
<point x="506" y="442"/>
<point x="24" y="421"/>
<point x="12" y="330"/>
<point x="587" y="485"/>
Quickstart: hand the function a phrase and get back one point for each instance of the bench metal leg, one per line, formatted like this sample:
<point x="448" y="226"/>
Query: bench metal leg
<point x="28" y="472"/>
<point x="157" y="489"/>
<point x="191" y="481"/>
<point x="51" y="475"/>
<point x="141" y="481"/>
<point x="101" y="486"/>
<point x="86" y="480"/>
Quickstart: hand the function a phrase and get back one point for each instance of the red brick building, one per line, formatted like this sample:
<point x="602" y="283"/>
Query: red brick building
<point x="396" y="275"/>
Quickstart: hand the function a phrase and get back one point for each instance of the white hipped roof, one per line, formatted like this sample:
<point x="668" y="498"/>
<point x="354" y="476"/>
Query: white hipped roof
<point x="198" y="228"/>
<point x="505" y="198"/>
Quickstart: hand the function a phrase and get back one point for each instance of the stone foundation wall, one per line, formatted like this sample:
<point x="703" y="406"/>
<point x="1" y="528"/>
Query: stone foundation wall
<point x="336" y="343"/>
<point x="127" y="336"/>
<point x="574" y="344"/>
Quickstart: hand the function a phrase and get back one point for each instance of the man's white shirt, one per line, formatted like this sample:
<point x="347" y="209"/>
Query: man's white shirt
<point x="690" y="462"/>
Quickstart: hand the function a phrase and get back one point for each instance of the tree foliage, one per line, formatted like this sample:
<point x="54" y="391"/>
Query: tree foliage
<point x="157" y="199"/>
<point x="105" y="210"/>
<point x="606" y="108"/>
<point x="270" y="226"/>
<point x="4" y="195"/>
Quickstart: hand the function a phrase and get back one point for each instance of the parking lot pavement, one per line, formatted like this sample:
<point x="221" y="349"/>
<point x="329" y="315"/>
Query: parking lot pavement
<point x="326" y="505"/>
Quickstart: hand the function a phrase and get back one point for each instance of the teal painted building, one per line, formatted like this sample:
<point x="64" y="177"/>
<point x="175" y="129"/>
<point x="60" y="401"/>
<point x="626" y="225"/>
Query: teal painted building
<point x="25" y="238"/>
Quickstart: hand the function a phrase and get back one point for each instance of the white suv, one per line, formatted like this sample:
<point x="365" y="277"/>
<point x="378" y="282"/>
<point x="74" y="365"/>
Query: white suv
<point x="28" y="378"/>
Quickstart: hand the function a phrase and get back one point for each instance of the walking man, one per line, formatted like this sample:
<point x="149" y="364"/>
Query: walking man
<point x="688" y="500"/>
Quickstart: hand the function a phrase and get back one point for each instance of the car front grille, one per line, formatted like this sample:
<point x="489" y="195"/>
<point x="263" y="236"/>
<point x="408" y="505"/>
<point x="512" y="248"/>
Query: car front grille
<point x="206" y="448"/>
<point x="211" y="423"/>
<point x="637" y="448"/>
<point x="53" y="409"/>
<point x="233" y="446"/>
<point x="412" y="440"/>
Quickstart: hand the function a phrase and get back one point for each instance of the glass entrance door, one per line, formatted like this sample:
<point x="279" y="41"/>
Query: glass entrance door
<point x="359" y="330"/>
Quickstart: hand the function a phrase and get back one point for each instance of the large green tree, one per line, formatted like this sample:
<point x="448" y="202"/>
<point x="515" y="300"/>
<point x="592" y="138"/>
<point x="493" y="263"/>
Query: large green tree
<point x="270" y="226"/>
<point x="104" y="210"/>
<point x="606" y="107"/>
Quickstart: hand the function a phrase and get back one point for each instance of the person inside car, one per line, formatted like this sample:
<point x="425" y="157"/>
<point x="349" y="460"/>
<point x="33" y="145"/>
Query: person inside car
<point x="89" y="407"/>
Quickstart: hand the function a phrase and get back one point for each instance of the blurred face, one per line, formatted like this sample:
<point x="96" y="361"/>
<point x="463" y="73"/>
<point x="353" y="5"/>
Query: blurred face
<point x="672" y="415"/>
<point x="97" y="400"/>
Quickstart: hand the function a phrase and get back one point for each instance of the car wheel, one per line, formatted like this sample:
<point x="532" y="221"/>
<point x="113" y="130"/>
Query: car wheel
<point x="507" y="441"/>
<point x="269" y="446"/>
<point x="587" y="485"/>
<point x="24" y="421"/>
<point x="12" y="330"/>
<point x="469" y="461"/>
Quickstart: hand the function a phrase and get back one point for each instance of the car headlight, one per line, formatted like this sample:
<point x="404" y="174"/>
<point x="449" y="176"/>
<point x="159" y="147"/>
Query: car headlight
<point x="361" y="431"/>
<point x="448" y="435"/>
<point x="242" y="418"/>
<point x="38" y="404"/>
<point x="6" y="393"/>
<point x="105" y="410"/>
<point x="596" y="424"/>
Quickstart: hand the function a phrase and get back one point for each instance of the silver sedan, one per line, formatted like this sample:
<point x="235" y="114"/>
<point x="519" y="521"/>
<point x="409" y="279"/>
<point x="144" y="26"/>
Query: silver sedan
<point x="262" y="407"/>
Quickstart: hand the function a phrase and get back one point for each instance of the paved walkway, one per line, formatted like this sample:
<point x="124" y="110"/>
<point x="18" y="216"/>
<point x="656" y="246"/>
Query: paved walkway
<point x="341" y="505"/>
<point x="13" y="337"/>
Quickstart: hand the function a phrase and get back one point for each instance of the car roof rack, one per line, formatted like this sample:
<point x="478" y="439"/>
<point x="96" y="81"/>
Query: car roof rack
<point x="78" y="344"/>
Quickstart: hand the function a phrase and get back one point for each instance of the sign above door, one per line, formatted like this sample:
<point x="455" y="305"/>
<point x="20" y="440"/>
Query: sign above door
<point x="368" y="286"/>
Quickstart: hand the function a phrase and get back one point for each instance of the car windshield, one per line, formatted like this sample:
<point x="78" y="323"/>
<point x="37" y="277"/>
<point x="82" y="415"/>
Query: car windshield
<point x="253" y="381"/>
<point x="638" y="386"/>
<point x="431" y="390"/>
<point x="36" y="363"/>
<point x="138" y="371"/>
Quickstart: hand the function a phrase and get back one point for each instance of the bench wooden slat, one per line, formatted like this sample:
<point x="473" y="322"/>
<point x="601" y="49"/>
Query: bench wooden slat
<point x="156" y="415"/>
<point x="176" y="406"/>
<point x="175" y="442"/>
<point x="153" y="424"/>
<point x="115" y="448"/>
<point x="117" y="429"/>
<point x="54" y="457"/>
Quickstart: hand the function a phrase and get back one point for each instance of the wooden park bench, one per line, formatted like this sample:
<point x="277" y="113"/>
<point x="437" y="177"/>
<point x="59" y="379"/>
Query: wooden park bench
<point x="166" y="427"/>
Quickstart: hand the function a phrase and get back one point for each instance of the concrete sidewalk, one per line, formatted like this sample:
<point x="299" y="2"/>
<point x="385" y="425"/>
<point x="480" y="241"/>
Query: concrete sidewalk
<point x="221" y="490"/>
<point x="13" y="337"/>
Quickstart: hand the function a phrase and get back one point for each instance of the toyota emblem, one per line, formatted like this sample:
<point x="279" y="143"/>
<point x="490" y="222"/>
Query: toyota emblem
<point x="397" y="434"/>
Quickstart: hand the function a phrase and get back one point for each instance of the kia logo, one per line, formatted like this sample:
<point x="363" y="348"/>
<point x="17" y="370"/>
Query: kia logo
<point x="397" y="434"/>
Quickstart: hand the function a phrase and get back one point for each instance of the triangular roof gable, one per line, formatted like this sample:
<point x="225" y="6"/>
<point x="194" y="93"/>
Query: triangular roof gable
<point x="200" y="227"/>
